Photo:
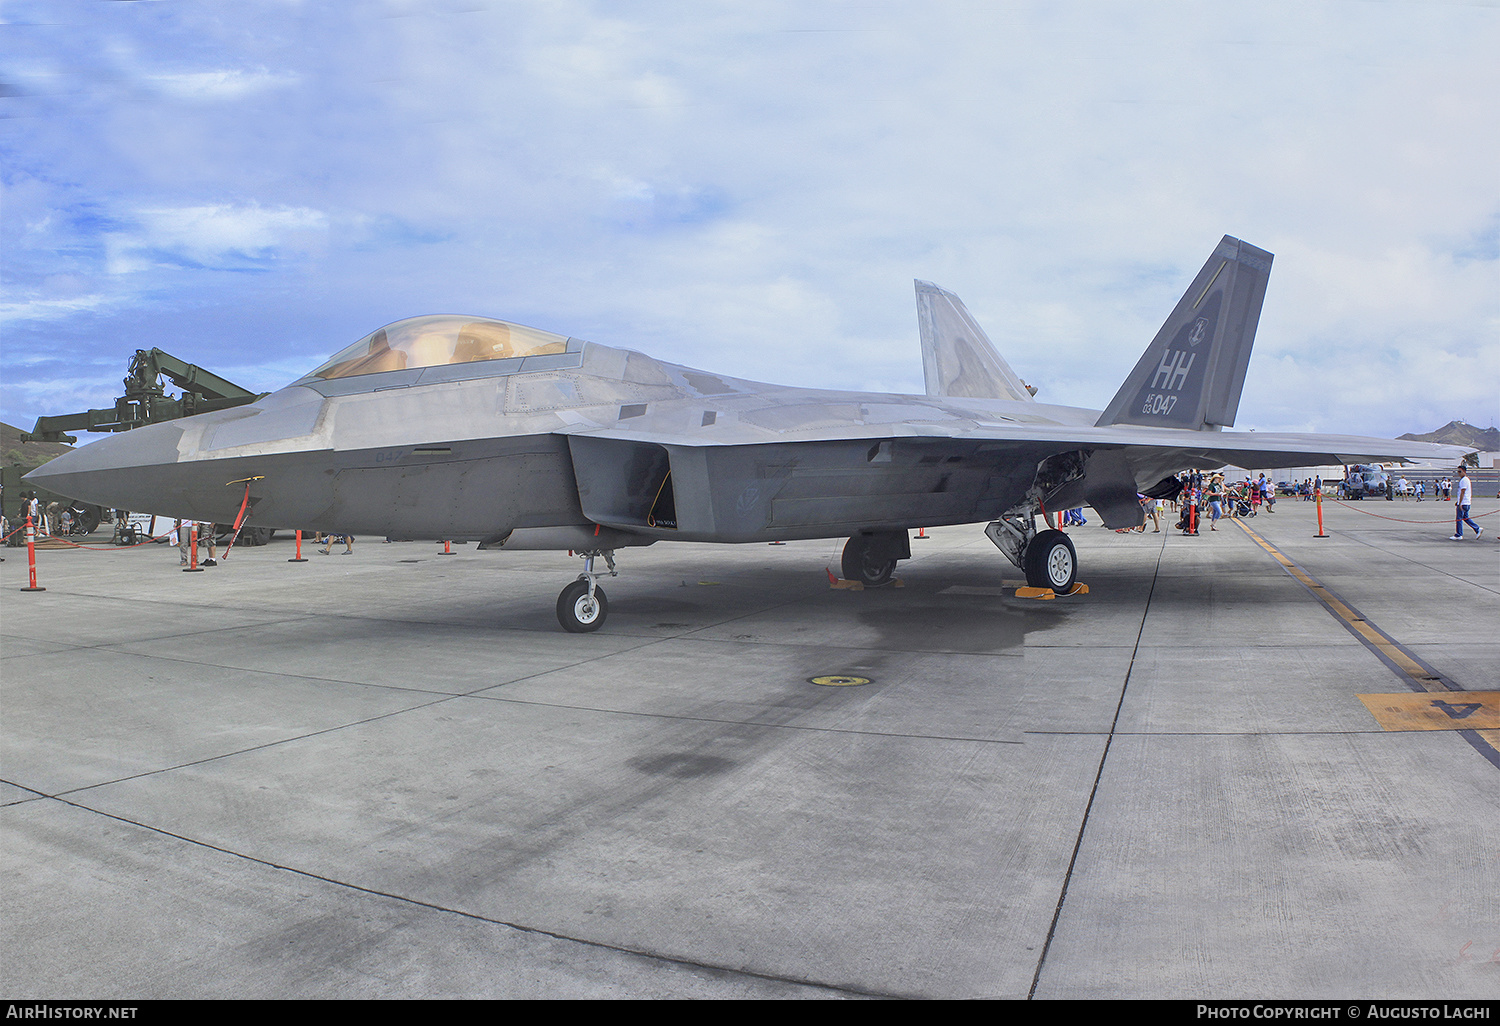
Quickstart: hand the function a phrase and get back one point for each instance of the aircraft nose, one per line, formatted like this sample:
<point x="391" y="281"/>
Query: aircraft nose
<point x="134" y="470"/>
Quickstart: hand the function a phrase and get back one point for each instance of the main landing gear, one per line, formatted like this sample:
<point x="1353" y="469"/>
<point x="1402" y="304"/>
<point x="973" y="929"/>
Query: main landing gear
<point x="871" y="558"/>
<point x="1047" y="557"/>
<point x="582" y="606"/>
<point x="1051" y="562"/>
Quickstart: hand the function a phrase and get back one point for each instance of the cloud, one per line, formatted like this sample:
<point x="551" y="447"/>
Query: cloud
<point x="216" y="85"/>
<point x="43" y="309"/>
<point x="752" y="188"/>
<point x="214" y="237"/>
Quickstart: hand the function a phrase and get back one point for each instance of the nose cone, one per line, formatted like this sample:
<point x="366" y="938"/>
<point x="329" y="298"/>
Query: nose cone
<point x="134" y="470"/>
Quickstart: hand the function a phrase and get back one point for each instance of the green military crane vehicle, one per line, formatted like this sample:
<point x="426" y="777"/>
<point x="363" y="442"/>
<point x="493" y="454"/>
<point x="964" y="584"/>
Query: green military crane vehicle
<point x="145" y="401"/>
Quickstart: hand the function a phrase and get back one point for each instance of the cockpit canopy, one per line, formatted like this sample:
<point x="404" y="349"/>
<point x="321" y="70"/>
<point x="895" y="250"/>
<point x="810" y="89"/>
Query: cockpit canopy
<point x="438" y="340"/>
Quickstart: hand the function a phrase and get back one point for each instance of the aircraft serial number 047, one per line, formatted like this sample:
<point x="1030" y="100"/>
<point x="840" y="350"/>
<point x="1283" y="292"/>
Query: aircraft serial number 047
<point x="1158" y="403"/>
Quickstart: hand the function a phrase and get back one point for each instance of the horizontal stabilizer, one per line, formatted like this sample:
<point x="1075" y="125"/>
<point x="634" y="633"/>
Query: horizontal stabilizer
<point x="1193" y="372"/>
<point x="958" y="359"/>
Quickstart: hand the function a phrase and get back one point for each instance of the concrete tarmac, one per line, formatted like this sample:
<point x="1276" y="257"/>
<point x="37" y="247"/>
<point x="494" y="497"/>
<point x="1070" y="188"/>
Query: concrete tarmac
<point x="392" y="774"/>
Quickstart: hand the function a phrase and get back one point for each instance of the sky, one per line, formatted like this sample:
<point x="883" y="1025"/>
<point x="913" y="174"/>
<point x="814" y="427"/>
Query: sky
<point x="750" y="187"/>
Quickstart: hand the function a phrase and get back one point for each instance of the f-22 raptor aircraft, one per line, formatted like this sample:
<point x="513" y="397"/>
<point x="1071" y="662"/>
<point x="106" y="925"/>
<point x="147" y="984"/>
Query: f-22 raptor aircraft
<point x="473" y="429"/>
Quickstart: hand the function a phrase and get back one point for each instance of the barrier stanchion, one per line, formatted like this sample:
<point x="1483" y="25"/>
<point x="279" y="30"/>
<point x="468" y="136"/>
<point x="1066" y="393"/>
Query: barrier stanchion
<point x="447" y="549"/>
<point x="1318" y="497"/>
<point x="298" y="558"/>
<point x="31" y="554"/>
<point x="193" y="567"/>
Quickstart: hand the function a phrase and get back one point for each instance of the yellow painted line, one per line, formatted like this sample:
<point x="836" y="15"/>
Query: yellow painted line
<point x="1458" y="710"/>
<point x="1475" y="714"/>
<point x="1391" y="650"/>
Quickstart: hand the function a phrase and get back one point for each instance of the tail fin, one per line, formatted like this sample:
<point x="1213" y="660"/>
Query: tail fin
<point x="958" y="359"/>
<point x="1193" y="372"/>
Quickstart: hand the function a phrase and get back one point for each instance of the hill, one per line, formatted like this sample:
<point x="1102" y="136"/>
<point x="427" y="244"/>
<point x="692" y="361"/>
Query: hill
<point x="1456" y="432"/>
<point x="28" y="454"/>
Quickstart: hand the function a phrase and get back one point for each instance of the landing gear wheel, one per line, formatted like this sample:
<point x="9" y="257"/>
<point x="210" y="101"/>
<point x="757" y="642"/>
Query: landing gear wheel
<point x="1051" y="562"/>
<point x="579" y="614"/>
<point x="864" y="562"/>
<point x="86" y="519"/>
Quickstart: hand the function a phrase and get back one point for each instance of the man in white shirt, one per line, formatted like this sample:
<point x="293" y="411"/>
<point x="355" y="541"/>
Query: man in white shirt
<point x="1463" y="496"/>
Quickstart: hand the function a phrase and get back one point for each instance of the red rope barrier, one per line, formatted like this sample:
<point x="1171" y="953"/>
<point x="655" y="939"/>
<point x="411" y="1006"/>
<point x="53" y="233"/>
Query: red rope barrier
<point x="1398" y="520"/>
<point x="112" y="548"/>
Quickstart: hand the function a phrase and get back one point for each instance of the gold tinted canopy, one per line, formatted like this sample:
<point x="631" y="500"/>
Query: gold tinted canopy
<point x="438" y="340"/>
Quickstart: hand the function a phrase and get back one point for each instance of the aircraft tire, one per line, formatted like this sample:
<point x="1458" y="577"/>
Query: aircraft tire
<point x="574" y="611"/>
<point x="1051" y="561"/>
<point x="862" y="561"/>
<point x="86" y="518"/>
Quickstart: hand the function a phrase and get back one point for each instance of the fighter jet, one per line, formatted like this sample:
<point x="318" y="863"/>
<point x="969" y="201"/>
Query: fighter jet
<point x="474" y="429"/>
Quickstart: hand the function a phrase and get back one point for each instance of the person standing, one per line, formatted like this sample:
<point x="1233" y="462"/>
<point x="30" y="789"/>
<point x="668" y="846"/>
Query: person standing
<point x="347" y="539"/>
<point x="1153" y="510"/>
<point x="1215" y="501"/>
<point x="1463" y="497"/>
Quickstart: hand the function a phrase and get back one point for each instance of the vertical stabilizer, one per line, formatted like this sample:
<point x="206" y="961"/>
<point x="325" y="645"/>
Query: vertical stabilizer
<point x="1193" y="372"/>
<point x="958" y="359"/>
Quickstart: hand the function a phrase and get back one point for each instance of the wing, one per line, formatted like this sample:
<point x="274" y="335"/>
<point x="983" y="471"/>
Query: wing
<point x="783" y="463"/>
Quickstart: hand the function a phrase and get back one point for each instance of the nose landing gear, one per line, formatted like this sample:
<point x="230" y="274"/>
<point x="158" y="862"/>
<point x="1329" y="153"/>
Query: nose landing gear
<point x="582" y="607"/>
